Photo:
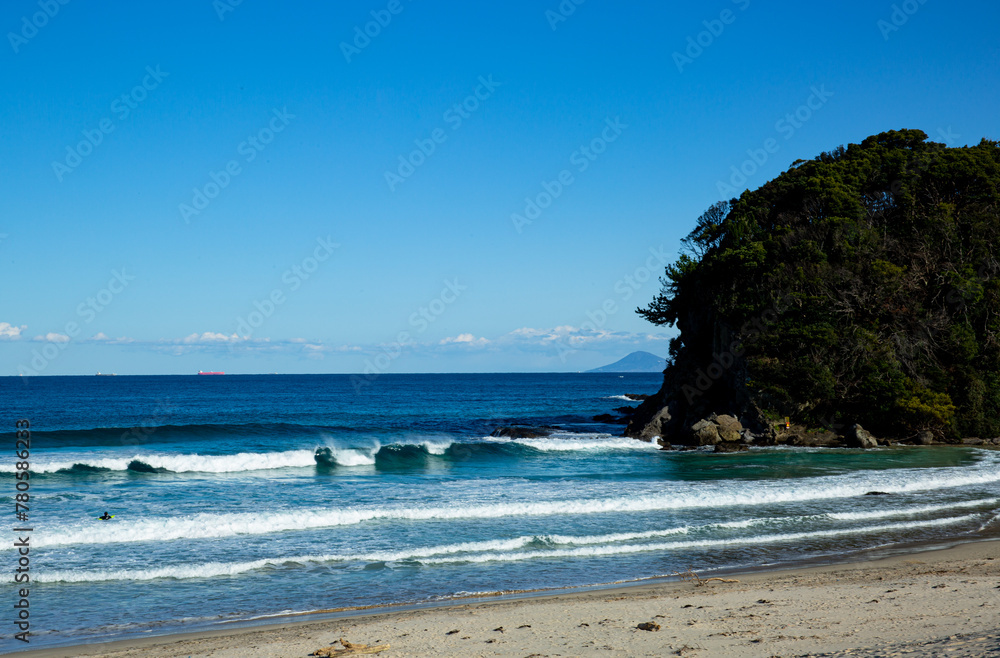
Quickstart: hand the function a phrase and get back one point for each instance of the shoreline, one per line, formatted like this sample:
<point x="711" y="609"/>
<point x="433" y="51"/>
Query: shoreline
<point x="833" y="590"/>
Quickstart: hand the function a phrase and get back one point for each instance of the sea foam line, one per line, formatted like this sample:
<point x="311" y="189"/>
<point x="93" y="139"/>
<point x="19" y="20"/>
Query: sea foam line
<point x="208" y="525"/>
<point x="488" y="551"/>
<point x="859" y="516"/>
<point x="908" y="511"/>
<point x="572" y="444"/>
<point x="223" y="568"/>
<point x="189" y="463"/>
<point x="597" y="551"/>
<point x="342" y="455"/>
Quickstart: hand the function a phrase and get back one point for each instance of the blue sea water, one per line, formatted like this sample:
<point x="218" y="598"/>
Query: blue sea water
<point x="224" y="514"/>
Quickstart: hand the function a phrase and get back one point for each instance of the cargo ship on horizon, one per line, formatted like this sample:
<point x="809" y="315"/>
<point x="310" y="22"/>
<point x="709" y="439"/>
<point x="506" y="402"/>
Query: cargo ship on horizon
<point x="202" y="372"/>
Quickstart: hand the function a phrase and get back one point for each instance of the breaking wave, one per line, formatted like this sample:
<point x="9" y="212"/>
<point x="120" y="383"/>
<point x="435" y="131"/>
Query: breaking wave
<point x="500" y="550"/>
<point x="334" y="454"/>
<point x="675" y="496"/>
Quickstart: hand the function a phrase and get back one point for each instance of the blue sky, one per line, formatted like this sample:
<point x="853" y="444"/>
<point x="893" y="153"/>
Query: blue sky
<point x="254" y="187"/>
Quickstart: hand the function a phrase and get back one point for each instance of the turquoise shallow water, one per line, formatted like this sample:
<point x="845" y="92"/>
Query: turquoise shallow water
<point x="223" y="512"/>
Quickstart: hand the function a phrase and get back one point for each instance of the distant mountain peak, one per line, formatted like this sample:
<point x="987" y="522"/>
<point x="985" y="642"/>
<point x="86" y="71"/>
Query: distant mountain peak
<point x="635" y="362"/>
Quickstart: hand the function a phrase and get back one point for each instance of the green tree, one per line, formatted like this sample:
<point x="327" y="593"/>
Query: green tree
<point x="861" y="285"/>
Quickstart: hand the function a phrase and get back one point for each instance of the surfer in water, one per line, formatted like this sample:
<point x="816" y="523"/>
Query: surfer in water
<point x="105" y="517"/>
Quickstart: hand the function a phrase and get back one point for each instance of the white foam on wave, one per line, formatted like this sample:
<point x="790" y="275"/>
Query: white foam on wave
<point x="500" y="550"/>
<point x="240" y="462"/>
<point x="596" y="551"/>
<point x="585" y="443"/>
<point x="681" y="495"/>
<point x="620" y="397"/>
<point x="189" y="463"/>
<point x="614" y="537"/>
<point x="572" y="445"/>
<point x="211" y="569"/>
<point x="433" y="445"/>
<point x="989" y="522"/>
<point x="747" y="523"/>
<point x="910" y="511"/>
<point x="353" y="456"/>
<point x="179" y="572"/>
<point x="365" y="455"/>
<point x="436" y="447"/>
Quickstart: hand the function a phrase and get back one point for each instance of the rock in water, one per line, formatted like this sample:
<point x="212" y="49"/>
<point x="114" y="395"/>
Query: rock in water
<point x="925" y="438"/>
<point x="656" y="425"/>
<point x="706" y="433"/>
<point x="324" y="457"/>
<point x="729" y="427"/>
<point x="800" y="437"/>
<point x="730" y="446"/>
<point x="729" y="435"/>
<point x="859" y="437"/>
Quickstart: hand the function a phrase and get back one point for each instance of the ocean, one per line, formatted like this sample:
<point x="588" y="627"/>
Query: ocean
<point x="224" y="515"/>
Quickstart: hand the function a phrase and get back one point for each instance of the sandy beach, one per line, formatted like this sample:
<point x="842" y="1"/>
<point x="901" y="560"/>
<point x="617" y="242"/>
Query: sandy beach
<point x="942" y="602"/>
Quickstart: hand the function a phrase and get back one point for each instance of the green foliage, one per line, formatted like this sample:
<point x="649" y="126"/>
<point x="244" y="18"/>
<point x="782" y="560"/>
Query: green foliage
<point x="863" y="283"/>
<point x="925" y="409"/>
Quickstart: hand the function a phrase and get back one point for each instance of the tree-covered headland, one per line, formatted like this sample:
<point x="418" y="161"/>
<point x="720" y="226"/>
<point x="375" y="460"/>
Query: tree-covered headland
<point x="862" y="286"/>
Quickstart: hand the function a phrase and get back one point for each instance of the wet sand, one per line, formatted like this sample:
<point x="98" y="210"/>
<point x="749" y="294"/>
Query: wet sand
<point x="932" y="603"/>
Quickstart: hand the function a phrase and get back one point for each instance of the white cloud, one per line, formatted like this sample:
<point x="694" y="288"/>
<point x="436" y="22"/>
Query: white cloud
<point x="314" y="351"/>
<point x="567" y="337"/>
<point x="210" y="337"/>
<point x="101" y="337"/>
<point x="11" y="332"/>
<point x="213" y="341"/>
<point x="541" y="343"/>
<point x="464" y="339"/>
<point x="53" y="337"/>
